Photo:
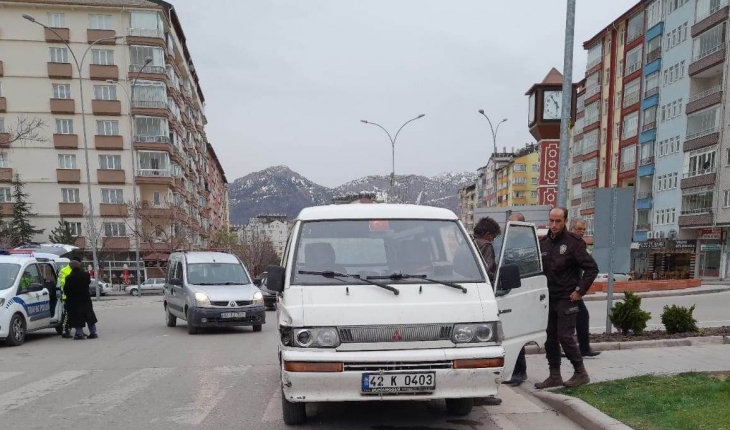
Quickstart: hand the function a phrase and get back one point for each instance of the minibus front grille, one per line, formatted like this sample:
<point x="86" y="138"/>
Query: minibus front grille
<point x="396" y="333"/>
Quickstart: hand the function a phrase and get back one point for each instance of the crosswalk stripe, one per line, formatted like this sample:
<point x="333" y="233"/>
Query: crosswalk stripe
<point x="8" y="375"/>
<point x="213" y="385"/>
<point x="35" y="390"/>
<point x="121" y="391"/>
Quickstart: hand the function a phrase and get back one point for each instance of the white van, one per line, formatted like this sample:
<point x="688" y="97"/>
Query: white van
<point x="392" y="302"/>
<point x="29" y="298"/>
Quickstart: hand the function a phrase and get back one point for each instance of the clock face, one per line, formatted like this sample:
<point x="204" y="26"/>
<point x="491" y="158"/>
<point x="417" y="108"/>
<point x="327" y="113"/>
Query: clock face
<point x="552" y="105"/>
<point x="531" y="112"/>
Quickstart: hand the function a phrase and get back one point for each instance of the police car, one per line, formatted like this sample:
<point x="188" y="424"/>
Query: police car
<point x="29" y="298"/>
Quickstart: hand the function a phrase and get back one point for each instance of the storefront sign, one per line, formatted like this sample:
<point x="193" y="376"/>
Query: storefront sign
<point x="710" y="247"/>
<point x="710" y="234"/>
<point x="685" y="244"/>
<point x="667" y="245"/>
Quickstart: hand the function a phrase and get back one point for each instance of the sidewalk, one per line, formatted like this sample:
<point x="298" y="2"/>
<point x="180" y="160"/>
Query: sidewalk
<point x="622" y="364"/>
<point x="704" y="289"/>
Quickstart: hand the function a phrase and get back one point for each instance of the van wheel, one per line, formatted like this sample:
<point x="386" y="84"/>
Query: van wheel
<point x="293" y="413"/>
<point x="16" y="336"/>
<point x="170" y="319"/>
<point x="191" y="328"/>
<point x="459" y="407"/>
<point x="257" y="327"/>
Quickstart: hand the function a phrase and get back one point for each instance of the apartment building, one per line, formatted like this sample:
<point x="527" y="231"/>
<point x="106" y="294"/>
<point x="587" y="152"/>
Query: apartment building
<point x="517" y="181"/>
<point x="467" y="204"/>
<point x="486" y="185"/>
<point x="275" y="227"/>
<point x="177" y="175"/>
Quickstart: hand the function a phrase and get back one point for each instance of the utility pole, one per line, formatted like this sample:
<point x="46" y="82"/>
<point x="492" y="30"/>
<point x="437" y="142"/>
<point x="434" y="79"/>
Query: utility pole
<point x="567" y="99"/>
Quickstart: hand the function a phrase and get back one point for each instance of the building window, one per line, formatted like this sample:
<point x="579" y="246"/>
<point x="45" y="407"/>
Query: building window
<point x="709" y="42"/>
<point x="628" y="158"/>
<point x="64" y="126"/>
<point x="100" y="22"/>
<point x="102" y="57"/>
<point x="4" y="163"/>
<point x="59" y="55"/>
<point x="636" y="27"/>
<point x="706" y="8"/>
<point x="140" y="54"/>
<point x="654" y="14"/>
<point x="519" y="168"/>
<point x="105" y="92"/>
<point x="151" y="129"/>
<point x="66" y="161"/>
<point x="107" y="128"/>
<point x="649" y="119"/>
<point x="70" y="195"/>
<point x="698" y="202"/>
<point x="5" y="195"/>
<point x="703" y="123"/>
<point x="149" y="94"/>
<point x="110" y="162"/>
<point x="519" y="181"/>
<point x="633" y="60"/>
<point x="534" y="181"/>
<point x="74" y="228"/>
<point x="115" y="229"/>
<point x="651" y="82"/>
<point x="535" y="167"/>
<point x="146" y="20"/>
<point x="632" y="92"/>
<point x="112" y="196"/>
<point x="57" y="20"/>
<point x="61" y="91"/>
<point x="701" y="162"/>
<point x="630" y="125"/>
<point x="594" y="55"/>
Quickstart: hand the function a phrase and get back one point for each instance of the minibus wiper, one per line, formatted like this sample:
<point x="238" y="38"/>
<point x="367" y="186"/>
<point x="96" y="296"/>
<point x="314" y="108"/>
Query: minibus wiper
<point x="331" y="274"/>
<point x="399" y="276"/>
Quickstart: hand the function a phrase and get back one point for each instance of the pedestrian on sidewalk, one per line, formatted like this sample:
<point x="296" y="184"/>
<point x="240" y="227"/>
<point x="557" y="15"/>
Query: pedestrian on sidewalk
<point x="486" y="230"/>
<point x="80" y="308"/>
<point x="570" y="272"/>
<point x="519" y="374"/>
<point x="582" y="323"/>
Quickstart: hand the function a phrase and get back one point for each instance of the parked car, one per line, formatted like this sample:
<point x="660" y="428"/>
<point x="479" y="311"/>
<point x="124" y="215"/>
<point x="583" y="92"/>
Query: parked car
<point x="603" y="277"/>
<point x="269" y="296"/>
<point x="103" y="291"/>
<point x="150" y="285"/>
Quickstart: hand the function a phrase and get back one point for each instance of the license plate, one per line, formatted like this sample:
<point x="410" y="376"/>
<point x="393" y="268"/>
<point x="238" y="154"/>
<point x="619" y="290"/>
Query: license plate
<point x="398" y="383"/>
<point x="233" y="314"/>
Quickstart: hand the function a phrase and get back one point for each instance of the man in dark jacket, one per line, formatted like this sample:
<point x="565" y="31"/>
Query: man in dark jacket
<point x="570" y="272"/>
<point x="79" y="305"/>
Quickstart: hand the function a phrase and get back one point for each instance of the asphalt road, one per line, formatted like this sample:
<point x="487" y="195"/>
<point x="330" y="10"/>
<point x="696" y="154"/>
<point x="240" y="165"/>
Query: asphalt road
<point x="141" y="374"/>
<point x="712" y="310"/>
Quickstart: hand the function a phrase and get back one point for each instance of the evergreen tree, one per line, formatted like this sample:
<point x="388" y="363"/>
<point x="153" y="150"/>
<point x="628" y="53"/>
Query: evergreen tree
<point x="62" y="233"/>
<point x="22" y="231"/>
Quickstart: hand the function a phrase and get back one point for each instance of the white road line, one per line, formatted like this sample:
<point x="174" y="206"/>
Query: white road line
<point x="8" y="375"/>
<point x="212" y="386"/>
<point x="35" y="390"/>
<point x="120" y="391"/>
<point x="503" y="422"/>
<point x="273" y="409"/>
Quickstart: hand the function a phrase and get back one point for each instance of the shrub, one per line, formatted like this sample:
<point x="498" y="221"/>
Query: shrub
<point x="678" y="319"/>
<point x="628" y="316"/>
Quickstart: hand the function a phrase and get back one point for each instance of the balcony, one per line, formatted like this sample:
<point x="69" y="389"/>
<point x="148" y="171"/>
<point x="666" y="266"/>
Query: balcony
<point x="150" y="72"/>
<point x="71" y="210"/>
<point x="60" y="71"/>
<point x="148" y="209"/>
<point x="589" y="176"/>
<point x="66" y="141"/>
<point x="591" y="94"/>
<point x="704" y="99"/>
<point x="6" y="174"/>
<point x="150" y="108"/>
<point x="590" y="66"/>
<point x="63" y="106"/>
<point x="632" y="99"/>
<point x="106" y="107"/>
<point x="590" y="120"/>
<point x="143" y="36"/>
<point x="643" y="227"/>
<point x="68" y="176"/>
<point x="635" y="35"/>
<point x="632" y="68"/>
<point x="696" y="217"/>
<point x="646" y="161"/>
<point x="589" y="147"/>
<point x="707" y="62"/>
<point x="702" y="139"/>
<point x="648" y="126"/>
<point x="116" y="243"/>
<point x="654" y="55"/>
<point x="108" y="143"/>
<point x="628" y="166"/>
<point x="113" y="210"/>
<point x="99" y="72"/>
<point x="52" y="37"/>
<point x="710" y="18"/>
<point x="587" y="204"/>
<point x="110" y="176"/>
<point x="95" y="36"/>
<point x="6" y="209"/>
<point x="80" y="242"/>
<point x="644" y="200"/>
<point x="154" y="177"/>
<point x="698" y="178"/>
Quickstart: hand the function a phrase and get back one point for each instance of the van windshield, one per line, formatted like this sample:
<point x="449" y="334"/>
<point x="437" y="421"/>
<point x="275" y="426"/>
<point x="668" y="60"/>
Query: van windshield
<point x="8" y="273"/>
<point x="217" y="274"/>
<point x="436" y="249"/>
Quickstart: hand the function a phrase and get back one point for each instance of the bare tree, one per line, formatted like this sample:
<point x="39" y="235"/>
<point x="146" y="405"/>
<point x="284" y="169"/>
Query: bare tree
<point x="257" y="251"/>
<point x="26" y="129"/>
<point x="162" y="228"/>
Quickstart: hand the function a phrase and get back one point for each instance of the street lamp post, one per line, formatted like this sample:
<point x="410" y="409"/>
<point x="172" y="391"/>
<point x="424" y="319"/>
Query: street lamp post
<point x="94" y="253"/>
<point x="494" y="141"/>
<point x="134" y="168"/>
<point x="392" y="142"/>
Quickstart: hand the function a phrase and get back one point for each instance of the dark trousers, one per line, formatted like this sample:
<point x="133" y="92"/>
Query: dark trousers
<point x="562" y="316"/>
<point x="582" y="327"/>
<point x="520" y="365"/>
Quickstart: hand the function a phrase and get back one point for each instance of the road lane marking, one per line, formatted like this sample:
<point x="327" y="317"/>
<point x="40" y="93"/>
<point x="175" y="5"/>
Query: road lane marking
<point x="120" y="391"/>
<point x="212" y="385"/>
<point x="35" y="390"/>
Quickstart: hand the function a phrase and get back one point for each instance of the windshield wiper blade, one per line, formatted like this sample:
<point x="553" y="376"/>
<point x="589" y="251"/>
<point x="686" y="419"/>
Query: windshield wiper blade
<point x="331" y="274"/>
<point x="399" y="276"/>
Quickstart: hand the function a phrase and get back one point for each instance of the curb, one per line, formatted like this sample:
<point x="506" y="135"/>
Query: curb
<point x="654" y="294"/>
<point x="639" y="344"/>
<point x="580" y="412"/>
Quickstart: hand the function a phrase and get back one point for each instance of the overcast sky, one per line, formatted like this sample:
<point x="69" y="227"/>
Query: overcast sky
<point x="287" y="82"/>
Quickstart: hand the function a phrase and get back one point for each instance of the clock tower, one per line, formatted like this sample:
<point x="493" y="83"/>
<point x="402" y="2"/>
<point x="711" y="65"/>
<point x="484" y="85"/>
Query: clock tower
<point x="543" y="119"/>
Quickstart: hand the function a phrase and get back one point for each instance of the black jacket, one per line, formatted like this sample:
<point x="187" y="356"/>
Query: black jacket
<point x="78" y="300"/>
<point x="567" y="264"/>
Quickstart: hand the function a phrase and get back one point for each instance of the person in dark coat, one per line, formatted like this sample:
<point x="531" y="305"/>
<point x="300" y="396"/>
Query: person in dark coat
<point x="78" y="299"/>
